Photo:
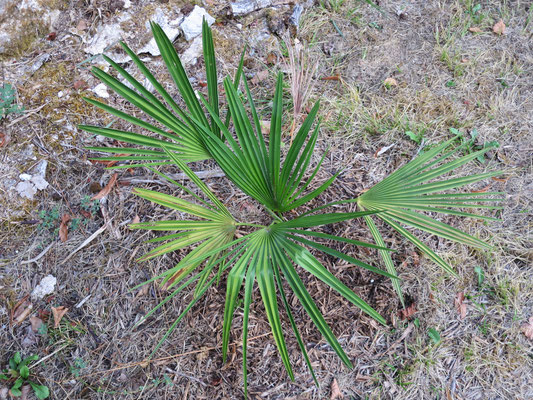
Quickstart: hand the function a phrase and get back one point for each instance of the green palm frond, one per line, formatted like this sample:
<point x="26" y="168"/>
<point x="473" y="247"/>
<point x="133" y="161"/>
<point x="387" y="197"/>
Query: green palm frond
<point x="173" y="127"/>
<point x="256" y="168"/>
<point x="423" y="185"/>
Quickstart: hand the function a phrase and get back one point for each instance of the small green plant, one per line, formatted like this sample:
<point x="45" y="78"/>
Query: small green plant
<point x="18" y="375"/>
<point x="470" y="146"/>
<point x="7" y="101"/>
<point x="415" y="137"/>
<point x="49" y="221"/>
<point x="89" y="205"/>
<point x="434" y="335"/>
<point x="271" y="254"/>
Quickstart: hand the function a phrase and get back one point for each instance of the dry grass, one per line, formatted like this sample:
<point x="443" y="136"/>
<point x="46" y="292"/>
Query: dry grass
<point x="423" y="47"/>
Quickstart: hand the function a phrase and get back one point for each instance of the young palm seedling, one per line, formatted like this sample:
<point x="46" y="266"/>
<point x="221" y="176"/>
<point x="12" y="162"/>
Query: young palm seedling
<point x="272" y="253"/>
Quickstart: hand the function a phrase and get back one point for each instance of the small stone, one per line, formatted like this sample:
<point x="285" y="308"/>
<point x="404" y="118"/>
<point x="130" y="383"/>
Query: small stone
<point x="101" y="91"/>
<point x="39" y="182"/>
<point x="26" y="189"/>
<point x="44" y="288"/>
<point x="25" y="177"/>
<point x="171" y="29"/>
<point x="192" y="24"/>
<point x="244" y="7"/>
<point x="106" y="36"/>
<point x="190" y="56"/>
<point x="60" y="94"/>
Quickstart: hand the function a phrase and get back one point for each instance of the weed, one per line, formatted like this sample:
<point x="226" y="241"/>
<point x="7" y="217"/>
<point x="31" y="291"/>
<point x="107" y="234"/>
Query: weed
<point x="7" y="101"/>
<point x="18" y="374"/>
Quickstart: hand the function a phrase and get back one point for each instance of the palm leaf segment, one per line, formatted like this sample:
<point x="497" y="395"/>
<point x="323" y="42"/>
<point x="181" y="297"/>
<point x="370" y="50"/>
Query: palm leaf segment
<point x="420" y="186"/>
<point x="173" y="123"/>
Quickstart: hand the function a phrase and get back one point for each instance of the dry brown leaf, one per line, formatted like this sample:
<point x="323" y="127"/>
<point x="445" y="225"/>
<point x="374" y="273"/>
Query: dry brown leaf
<point x="271" y="59"/>
<point x="105" y="191"/>
<point x="331" y="78"/>
<point x="335" y="390"/>
<point x="260" y="76"/>
<point x="485" y="189"/>
<point x="499" y="27"/>
<point x="390" y="82"/>
<point x="527" y="328"/>
<point x="21" y="311"/>
<point x="58" y="313"/>
<point x="475" y="29"/>
<point x="265" y="127"/>
<point x="3" y="139"/>
<point x="82" y="25"/>
<point x="63" y="227"/>
<point x="36" y="323"/>
<point x="408" y="312"/>
<point x="460" y="305"/>
<point x="80" y="84"/>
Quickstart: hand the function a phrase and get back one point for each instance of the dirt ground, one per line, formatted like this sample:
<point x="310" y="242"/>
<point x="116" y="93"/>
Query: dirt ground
<point x="445" y="75"/>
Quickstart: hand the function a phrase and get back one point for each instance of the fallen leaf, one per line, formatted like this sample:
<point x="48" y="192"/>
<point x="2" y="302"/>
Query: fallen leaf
<point x="500" y="179"/>
<point x="136" y="219"/>
<point x="527" y="328"/>
<point x="475" y="29"/>
<point x="390" y="82"/>
<point x="265" y="127"/>
<point x="485" y="189"/>
<point x="3" y="139"/>
<point x="382" y="150"/>
<point x="25" y="391"/>
<point x="460" y="305"/>
<point x="105" y="191"/>
<point x="331" y="78"/>
<point x="58" y="313"/>
<point x="36" y="323"/>
<point x="335" y="390"/>
<point x="82" y="25"/>
<point x="80" y="84"/>
<point x="499" y="27"/>
<point x="51" y="36"/>
<point x="416" y="258"/>
<point x="271" y="59"/>
<point x="408" y="312"/>
<point x="63" y="227"/>
<point x="260" y="76"/>
<point x="21" y="311"/>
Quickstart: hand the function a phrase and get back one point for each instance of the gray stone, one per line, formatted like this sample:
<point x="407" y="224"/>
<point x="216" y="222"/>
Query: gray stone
<point x="244" y="7"/>
<point x="192" y="24"/>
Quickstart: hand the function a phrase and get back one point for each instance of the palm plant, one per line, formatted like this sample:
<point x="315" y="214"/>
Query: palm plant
<point x="271" y="253"/>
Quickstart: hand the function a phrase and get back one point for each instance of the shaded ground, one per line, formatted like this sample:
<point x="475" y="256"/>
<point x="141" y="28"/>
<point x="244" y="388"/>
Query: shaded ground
<point x="446" y="77"/>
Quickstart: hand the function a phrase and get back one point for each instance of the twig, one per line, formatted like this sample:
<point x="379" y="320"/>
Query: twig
<point x="39" y="256"/>
<point x="48" y="356"/>
<point x="177" y="177"/>
<point x="26" y="115"/>
<point x="146" y="362"/>
<point x="87" y="241"/>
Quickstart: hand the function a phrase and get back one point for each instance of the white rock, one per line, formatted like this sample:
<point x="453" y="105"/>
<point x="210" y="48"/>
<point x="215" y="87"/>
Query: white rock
<point x="171" y="29"/>
<point x="25" y="177"/>
<point x="192" y="24"/>
<point x="127" y="4"/>
<point x="101" y="91"/>
<point x="60" y="94"/>
<point x="39" y="182"/>
<point x="107" y="35"/>
<point x="44" y="288"/>
<point x="190" y="56"/>
<point x="26" y="189"/>
<point x="244" y="7"/>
